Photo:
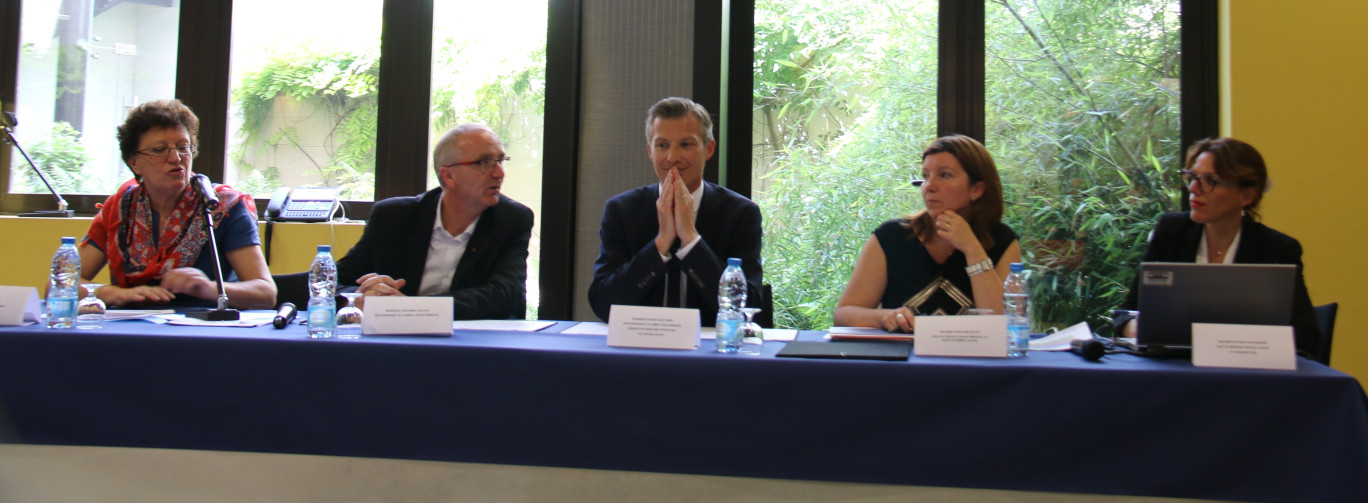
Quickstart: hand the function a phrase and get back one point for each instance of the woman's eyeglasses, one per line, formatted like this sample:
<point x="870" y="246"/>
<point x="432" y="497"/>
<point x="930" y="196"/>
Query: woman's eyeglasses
<point x="163" y="151"/>
<point x="1208" y="182"/>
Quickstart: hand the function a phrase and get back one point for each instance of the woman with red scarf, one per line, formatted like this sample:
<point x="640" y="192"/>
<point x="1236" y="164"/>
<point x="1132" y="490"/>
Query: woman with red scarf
<point x="152" y="233"/>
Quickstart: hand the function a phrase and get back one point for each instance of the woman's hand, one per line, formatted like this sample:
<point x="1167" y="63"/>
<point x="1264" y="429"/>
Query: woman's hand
<point x="116" y="296"/>
<point x="190" y="281"/>
<point x="957" y="231"/>
<point x="898" y="320"/>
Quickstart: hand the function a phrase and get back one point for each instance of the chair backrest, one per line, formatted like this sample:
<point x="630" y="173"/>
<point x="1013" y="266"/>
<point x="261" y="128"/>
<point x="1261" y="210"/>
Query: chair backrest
<point x="1325" y="317"/>
<point x="765" y="318"/>
<point x="292" y="288"/>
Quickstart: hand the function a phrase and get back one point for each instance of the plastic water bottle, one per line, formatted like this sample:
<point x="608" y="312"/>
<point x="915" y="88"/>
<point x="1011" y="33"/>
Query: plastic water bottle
<point x="322" y="294"/>
<point x="62" y="285"/>
<point x="731" y="297"/>
<point x="1016" y="302"/>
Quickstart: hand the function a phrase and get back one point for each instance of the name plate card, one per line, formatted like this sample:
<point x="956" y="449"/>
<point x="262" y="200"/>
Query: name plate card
<point x="653" y="327"/>
<point x="1269" y="347"/>
<point x="407" y="316"/>
<point x="983" y="336"/>
<point x="19" y="305"/>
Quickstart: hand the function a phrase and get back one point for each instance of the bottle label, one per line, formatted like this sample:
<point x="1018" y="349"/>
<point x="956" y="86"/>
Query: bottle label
<point x="61" y="308"/>
<point x="320" y="317"/>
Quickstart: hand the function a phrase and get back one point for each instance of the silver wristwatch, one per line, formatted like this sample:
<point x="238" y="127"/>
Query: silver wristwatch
<point x="979" y="267"/>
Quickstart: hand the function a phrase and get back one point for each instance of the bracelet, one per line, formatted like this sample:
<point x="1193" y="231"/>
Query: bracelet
<point x="979" y="267"/>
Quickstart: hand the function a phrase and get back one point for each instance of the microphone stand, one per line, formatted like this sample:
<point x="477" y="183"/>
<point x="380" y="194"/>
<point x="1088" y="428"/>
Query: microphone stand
<point x="223" y="313"/>
<point x="61" y="211"/>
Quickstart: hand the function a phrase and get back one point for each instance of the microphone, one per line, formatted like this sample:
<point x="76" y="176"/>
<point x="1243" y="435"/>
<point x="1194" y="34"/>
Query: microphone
<point x="9" y="121"/>
<point x="211" y="202"/>
<point x="285" y="315"/>
<point x="1090" y="349"/>
<point x="206" y="191"/>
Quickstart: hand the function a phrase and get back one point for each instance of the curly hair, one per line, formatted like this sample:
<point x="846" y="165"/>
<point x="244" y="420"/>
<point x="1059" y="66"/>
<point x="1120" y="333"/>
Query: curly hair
<point x="155" y="115"/>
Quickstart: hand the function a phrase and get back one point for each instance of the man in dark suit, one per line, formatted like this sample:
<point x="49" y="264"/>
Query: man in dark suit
<point x="462" y="240"/>
<point x="666" y="244"/>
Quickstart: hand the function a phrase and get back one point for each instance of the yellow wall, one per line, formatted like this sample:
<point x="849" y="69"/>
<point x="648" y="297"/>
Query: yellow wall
<point x="1298" y="74"/>
<point x="28" y="252"/>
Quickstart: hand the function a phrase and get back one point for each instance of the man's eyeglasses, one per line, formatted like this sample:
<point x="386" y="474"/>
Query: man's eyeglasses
<point x="484" y="165"/>
<point x="163" y="151"/>
<point x="1207" y="182"/>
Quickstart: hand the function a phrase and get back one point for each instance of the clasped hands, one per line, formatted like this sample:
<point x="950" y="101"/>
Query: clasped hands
<point x="674" y="213"/>
<point x="378" y="285"/>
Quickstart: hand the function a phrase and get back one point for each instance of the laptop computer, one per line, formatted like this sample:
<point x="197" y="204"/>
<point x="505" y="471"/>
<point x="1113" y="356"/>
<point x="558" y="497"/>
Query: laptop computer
<point x="1173" y="296"/>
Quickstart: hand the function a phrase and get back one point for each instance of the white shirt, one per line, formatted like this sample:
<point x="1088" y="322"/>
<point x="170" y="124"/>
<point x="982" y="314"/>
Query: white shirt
<point x="444" y="253"/>
<point x="1228" y="258"/>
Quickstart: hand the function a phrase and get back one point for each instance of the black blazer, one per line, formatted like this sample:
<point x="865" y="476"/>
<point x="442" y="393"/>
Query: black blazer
<point x="629" y="269"/>
<point x="1176" y="238"/>
<point x="491" y="279"/>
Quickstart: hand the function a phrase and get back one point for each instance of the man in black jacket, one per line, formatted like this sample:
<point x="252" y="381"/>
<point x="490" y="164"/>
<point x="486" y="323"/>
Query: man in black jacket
<point x="463" y="240"/>
<point x="665" y="244"/>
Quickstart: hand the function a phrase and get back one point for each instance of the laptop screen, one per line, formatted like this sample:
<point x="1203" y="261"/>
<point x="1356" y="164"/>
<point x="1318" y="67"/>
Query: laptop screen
<point x="1173" y="296"/>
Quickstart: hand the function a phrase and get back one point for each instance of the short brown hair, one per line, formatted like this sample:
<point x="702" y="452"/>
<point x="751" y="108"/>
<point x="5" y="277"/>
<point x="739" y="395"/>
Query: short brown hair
<point x="986" y="211"/>
<point x="675" y="108"/>
<point x="155" y="115"/>
<point x="1235" y="161"/>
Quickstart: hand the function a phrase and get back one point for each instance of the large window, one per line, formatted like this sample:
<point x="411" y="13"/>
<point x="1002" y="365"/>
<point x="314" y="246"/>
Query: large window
<point x="81" y="66"/>
<point x="845" y="98"/>
<point x="1081" y="109"/>
<point x="1082" y="116"/>
<point x="303" y="96"/>
<point x="495" y="73"/>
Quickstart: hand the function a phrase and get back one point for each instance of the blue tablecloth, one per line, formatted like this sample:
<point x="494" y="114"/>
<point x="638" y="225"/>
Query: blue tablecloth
<point x="1049" y="422"/>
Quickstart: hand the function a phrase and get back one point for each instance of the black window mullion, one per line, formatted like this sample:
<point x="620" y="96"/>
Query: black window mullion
<point x="960" y="60"/>
<point x="1198" y="75"/>
<point x="202" y="70"/>
<point x="560" y="160"/>
<point x="405" y="90"/>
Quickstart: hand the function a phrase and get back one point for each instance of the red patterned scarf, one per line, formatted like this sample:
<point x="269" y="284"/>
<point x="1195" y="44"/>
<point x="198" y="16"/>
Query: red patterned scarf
<point x="124" y="230"/>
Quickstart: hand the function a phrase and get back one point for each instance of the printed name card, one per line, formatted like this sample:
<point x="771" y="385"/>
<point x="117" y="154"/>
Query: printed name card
<point x="407" y="316"/>
<point x="1269" y="347"/>
<point x="19" y="305"/>
<point x="653" y="327"/>
<point x="961" y="336"/>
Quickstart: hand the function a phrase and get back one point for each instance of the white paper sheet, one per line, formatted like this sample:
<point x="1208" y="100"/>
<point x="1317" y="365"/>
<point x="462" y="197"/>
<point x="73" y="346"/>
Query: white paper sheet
<point x="587" y="328"/>
<point x="245" y="320"/>
<point x="501" y="325"/>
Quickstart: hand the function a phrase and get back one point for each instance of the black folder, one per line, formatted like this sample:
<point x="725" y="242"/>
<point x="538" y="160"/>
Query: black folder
<point x="849" y="350"/>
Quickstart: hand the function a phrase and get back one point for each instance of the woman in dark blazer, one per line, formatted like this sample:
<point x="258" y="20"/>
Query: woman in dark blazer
<point x="1226" y="178"/>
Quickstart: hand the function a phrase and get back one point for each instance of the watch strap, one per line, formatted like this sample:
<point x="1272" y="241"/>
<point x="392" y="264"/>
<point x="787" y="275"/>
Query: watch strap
<point x="979" y="267"/>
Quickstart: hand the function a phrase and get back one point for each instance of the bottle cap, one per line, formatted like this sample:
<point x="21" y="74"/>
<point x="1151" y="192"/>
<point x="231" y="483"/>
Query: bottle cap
<point x="68" y="240"/>
<point x="324" y="248"/>
<point x="733" y="261"/>
<point x="1016" y="266"/>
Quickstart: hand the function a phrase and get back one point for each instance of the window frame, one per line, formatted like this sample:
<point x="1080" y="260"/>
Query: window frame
<point x="202" y="83"/>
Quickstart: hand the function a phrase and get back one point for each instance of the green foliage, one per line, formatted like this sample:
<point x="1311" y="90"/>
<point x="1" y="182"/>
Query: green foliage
<point x="341" y="86"/>
<point x="62" y="156"/>
<point x="1082" y="117"/>
<point x="844" y="98"/>
<point x="1083" y="114"/>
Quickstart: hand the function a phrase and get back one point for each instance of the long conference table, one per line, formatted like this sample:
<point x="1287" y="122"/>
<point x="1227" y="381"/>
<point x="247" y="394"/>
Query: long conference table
<point x="1049" y="422"/>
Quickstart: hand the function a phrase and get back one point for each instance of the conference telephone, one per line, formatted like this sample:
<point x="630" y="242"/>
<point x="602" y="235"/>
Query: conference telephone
<point x="303" y="204"/>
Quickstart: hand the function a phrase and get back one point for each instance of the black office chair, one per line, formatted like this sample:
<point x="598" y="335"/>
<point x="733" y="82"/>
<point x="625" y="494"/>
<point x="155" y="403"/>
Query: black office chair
<point x="765" y="318"/>
<point x="292" y="288"/>
<point x="1325" y="317"/>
